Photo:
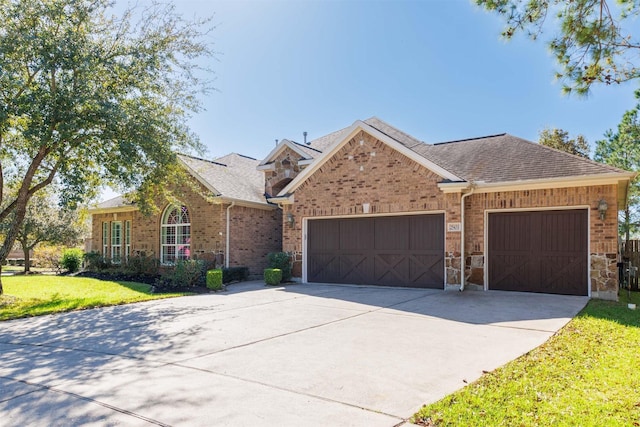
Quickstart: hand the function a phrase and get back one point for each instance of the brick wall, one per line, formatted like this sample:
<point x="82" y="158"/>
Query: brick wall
<point x="257" y="231"/>
<point x="254" y="233"/>
<point x="372" y="173"/>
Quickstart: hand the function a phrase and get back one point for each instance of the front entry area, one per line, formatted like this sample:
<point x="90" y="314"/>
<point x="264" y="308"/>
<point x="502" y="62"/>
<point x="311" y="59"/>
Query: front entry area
<point x="540" y="251"/>
<point x="405" y="251"/>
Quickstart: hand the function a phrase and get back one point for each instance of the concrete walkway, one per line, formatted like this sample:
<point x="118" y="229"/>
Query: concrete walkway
<point x="301" y="355"/>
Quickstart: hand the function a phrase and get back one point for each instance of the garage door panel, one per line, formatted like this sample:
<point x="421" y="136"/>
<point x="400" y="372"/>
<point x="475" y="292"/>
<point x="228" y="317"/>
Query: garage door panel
<point x="326" y="235"/>
<point x="391" y="251"/>
<point x="355" y="268"/>
<point x="539" y="251"/>
<point x="419" y="227"/>
<point x="355" y="234"/>
<point x="391" y="233"/>
<point x="324" y="266"/>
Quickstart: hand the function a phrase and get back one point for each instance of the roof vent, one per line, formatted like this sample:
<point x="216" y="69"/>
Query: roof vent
<point x="276" y="142"/>
<point x="304" y="134"/>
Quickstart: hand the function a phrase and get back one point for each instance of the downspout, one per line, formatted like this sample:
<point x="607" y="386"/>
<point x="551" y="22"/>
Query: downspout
<point x="462" y="257"/>
<point x="226" y="255"/>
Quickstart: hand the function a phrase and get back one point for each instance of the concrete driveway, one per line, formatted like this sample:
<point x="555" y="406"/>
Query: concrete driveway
<point x="301" y="355"/>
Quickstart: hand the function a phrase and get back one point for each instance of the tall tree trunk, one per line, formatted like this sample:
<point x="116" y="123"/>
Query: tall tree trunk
<point x="1" y="290"/>
<point x="27" y="259"/>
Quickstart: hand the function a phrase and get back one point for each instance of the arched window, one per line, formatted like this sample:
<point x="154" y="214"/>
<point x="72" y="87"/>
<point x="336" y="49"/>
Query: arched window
<point x="175" y="240"/>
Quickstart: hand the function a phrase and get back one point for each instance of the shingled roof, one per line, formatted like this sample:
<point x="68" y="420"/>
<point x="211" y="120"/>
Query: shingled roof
<point x="491" y="159"/>
<point x="237" y="178"/>
<point x="232" y="177"/>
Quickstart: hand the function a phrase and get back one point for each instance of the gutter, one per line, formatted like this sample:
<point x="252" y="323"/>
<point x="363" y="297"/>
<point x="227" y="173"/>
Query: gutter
<point x="462" y="257"/>
<point x="226" y="255"/>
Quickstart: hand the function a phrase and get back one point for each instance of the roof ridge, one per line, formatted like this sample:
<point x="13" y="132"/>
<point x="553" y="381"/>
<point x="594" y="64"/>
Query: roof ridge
<point x="305" y="145"/>
<point x="472" y="139"/>
<point x="419" y="142"/>
<point x="204" y="160"/>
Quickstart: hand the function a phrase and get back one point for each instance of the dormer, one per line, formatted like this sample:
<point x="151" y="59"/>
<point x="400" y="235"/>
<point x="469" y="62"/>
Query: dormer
<point x="283" y="164"/>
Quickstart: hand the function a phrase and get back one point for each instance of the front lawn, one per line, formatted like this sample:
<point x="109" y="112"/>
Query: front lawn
<point x="586" y="375"/>
<point x="33" y="295"/>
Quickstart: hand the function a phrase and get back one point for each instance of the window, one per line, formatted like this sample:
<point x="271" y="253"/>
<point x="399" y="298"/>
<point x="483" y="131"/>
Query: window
<point x="127" y="240"/>
<point x="116" y="241"/>
<point x="175" y="235"/>
<point x="105" y="239"/>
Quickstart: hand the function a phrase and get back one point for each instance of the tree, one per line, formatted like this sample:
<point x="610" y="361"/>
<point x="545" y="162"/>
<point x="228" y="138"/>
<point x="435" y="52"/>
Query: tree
<point x="622" y="149"/>
<point x="45" y="222"/>
<point x="88" y="98"/>
<point x="591" y="44"/>
<point x="559" y="139"/>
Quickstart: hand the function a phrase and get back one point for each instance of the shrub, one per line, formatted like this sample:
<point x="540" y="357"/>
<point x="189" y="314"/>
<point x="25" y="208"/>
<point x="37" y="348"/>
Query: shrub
<point x="188" y="273"/>
<point x="214" y="279"/>
<point x="141" y="265"/>
<point x="282" y="261"/>
<point x="231" y="274"/>
<point x="96" y="262"/>
<point x="48" y="256"/>
<point x="272" y="276"/>
<point x="72" y="259"/>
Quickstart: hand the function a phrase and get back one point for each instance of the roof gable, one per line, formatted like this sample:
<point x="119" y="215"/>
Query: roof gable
<point x="304" y="152"/>
<point x="347" y="134"/>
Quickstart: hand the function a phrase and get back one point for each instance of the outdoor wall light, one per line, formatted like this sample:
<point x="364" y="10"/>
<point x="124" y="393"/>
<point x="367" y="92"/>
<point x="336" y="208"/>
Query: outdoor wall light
<point x="602" y="208"/>
<point x="290" y="219"/>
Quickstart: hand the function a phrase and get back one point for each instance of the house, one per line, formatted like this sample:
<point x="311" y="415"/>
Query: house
<point x="370" y="204"/>
<point x="229" y="220"/>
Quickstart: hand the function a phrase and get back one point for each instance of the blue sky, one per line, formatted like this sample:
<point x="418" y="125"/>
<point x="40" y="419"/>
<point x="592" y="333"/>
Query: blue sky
<point x="436" y="69"/>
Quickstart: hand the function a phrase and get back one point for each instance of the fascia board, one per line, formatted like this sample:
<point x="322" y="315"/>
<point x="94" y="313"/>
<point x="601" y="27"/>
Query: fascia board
<point x="246" y="203"/>
<point x="356" y="127"/>
<point x="116" y="209"/>
<point x="278" y="148"/>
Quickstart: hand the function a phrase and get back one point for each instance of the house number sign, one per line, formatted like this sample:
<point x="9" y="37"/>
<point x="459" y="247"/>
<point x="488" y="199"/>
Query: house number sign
<point x="454" y="227"/>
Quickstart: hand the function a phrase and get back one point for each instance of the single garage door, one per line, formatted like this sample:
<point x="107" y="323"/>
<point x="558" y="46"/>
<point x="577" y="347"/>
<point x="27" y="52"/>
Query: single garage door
<point x="543" y="251"/>
<point x="391" y="251"/>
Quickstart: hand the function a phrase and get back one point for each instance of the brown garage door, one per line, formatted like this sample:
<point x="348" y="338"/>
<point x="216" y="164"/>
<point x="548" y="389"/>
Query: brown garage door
<point x="391" y="251"/>
<point x="543" y="251"/>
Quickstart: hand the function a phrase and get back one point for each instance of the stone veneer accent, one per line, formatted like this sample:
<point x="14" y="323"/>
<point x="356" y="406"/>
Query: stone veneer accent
<point x="286" y="168"/>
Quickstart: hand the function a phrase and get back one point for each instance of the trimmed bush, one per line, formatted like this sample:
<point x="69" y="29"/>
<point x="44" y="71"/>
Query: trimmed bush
<point x="214" y="279"/>
<point x="234" y="274"/>
<point x="187" y="274"/>
<point x="94" y="261"/>
<point x="272" y="276"/>
<point x="281" y="261"/>
<point x="72" y="259"/>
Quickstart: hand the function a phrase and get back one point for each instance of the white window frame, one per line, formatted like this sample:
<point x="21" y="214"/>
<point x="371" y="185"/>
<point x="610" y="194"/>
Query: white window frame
<point x="127" y="240"/>
<point x="180" y="244"/>
<point x="105" y="239"/>
<point x="116" y="242"/>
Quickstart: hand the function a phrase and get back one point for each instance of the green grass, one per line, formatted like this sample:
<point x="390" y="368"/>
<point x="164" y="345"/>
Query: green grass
<point x="586" y="375"/>
<point x="33" y="295"/>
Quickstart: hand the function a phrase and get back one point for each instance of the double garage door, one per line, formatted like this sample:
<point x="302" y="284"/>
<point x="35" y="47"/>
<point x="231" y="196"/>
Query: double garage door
<point x="392" y="251"/>
<point x="543" y="251"/>
<point x="540" y="251"/>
